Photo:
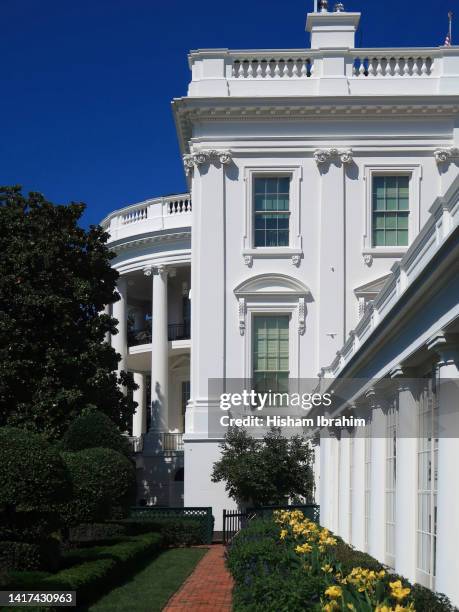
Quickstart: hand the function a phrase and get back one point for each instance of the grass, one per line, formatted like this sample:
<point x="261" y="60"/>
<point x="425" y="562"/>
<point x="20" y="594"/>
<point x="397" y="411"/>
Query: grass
<point x="150" y="589"/>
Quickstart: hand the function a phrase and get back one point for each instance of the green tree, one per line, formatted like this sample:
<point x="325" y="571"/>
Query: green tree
<point x="55" y="280"/>
<point x="265" y="472"/>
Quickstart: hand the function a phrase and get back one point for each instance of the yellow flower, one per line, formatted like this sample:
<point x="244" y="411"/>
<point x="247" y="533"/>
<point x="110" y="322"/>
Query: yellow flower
<point x="327" y="568"/>
<point x="283" y="534"/>
<point x="331" y="606"/>
<point x="400" y="594"/>
<point x="381" y="574"/>
<point x="351" y="607"/>
<point x="383" y="609"/>
<point x="396" y="585"/>
<point x="334" y="592"/>
<point x="303" y="549"/>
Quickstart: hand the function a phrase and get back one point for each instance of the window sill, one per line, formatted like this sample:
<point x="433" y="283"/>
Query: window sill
<point x="272" y="253"/>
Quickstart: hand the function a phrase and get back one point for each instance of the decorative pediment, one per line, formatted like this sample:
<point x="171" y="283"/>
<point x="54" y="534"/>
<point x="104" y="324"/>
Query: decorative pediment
<point x="372" y="288"/>
<point x="271" y="284"/>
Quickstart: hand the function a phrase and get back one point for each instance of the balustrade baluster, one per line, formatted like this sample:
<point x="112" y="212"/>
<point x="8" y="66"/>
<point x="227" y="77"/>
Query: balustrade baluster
<point x="276" y="69"/>
<point x="259" y="70"/>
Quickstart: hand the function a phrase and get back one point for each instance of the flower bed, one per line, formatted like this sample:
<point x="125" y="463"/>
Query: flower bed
<point x="290" y="563"/>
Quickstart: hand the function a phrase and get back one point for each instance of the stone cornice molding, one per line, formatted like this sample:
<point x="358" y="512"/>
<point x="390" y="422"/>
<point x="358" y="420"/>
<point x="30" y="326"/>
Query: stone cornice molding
<point x="128" y="244"/>
<point x="206" y="156"/>
<point x="324" y="156"/>
<point x="446" y="346"/>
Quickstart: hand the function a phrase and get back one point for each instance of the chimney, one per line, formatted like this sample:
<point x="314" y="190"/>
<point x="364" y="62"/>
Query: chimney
<point x="332" y="30"/>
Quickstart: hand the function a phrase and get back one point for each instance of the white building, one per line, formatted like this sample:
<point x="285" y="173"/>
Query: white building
<point x="325" y="191"/>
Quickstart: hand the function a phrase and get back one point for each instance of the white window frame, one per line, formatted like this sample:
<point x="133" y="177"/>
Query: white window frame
<point x="295" y="240"/>
<point x="414" y="172"/>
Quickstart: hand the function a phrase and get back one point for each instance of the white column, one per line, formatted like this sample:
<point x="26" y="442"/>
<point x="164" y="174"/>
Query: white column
<point x="106" y="311"/>
<point x="344" y="486"/>
<point x="447" y="567"/>
<point x="119" y="340"/>
<point x="377" y="517"/>
<point x="159" y="351"/>
<point x="139" y="420"/>
<point x="358" y="492"/>
<point x="316" y="446"/>
<point x="406" y="482"/>
<point x="324" y="479"/>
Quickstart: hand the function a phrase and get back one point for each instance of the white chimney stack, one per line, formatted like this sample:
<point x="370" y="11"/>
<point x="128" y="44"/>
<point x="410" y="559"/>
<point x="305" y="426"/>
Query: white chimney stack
<point x="332" y="30"/>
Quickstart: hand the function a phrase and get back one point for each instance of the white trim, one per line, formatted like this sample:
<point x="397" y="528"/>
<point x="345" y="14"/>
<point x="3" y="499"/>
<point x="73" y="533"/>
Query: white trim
<point x="414" y="171"/>
<point x="295" y="240"/>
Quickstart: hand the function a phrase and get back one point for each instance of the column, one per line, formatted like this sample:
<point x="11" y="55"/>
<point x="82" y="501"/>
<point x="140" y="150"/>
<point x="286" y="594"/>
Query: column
<point x="106" y="311"/>
<point x="159" y="350"/>
<point x="406" y="482"/>
<point x="119" y="340"/>
<point x="344" y="486"/>
<point x="447" y="566"/>
<point x="377" y="521"/>
<point x="358" y="492"/>
<point x="324" y="479"/>
<point x="139" y="420"/>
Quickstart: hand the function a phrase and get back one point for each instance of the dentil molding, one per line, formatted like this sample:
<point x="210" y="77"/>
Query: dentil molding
<point x="207" y="156"/>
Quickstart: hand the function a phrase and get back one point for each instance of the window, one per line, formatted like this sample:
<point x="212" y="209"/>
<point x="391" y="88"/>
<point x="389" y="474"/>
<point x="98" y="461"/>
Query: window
<point x="270" y="353"/>
<point x="390" y="210"/>
<point x="427" y="485"/>
<point x="271" y="211"/>
<point x="391" y="478"/>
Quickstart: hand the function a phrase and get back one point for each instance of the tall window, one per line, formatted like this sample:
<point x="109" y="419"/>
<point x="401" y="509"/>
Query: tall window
<point x="391" y="478"/>
<point x="427" y="485"/>
<point x="367" y="482"/>
<point x="271" y="211"/>
<point x="270" y="353"/>
<point x="390" y="206"/>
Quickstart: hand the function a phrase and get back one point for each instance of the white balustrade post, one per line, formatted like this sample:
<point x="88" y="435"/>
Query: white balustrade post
<point x="139" y="420"/>
<point x="119" y="340"/>
<point x="447" y="565"/>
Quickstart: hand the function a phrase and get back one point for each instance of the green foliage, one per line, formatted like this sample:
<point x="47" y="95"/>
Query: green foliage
<point x="93" y="570"/>
<point x="264" y="472"/>
<point x="270" y="576"/>
<point x="96" y="532"/>
<point x="32" y="473"/>
<point x="175" y="531"/>
<point x="103" y="486"/>
<point x="56" y="279"/>
<point x="19" y="556"/>
<point x="94" y="429"/>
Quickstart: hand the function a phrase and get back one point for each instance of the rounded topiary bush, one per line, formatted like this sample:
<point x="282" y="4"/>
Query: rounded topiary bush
<point x="32" y="473"/>
<point x="95" y="429"/>
<point x="103" y="486"/>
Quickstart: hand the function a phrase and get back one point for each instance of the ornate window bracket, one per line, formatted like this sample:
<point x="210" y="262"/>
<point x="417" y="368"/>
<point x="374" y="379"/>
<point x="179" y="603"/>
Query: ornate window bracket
<point x="445" y="154"/>
<point x="242" y="309"/>
<point x="324" y="156"/>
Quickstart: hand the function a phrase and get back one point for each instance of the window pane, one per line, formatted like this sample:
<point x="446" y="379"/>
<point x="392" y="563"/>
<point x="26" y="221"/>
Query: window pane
<point x="391" y="238"/>
<point x="402" y="237"/>
<point x="260" y="238"/>
<point x="391" y="221"/>
<point x="402" y="221"/>
<point x="379" y="238"/>
<point x="379" y="221"/>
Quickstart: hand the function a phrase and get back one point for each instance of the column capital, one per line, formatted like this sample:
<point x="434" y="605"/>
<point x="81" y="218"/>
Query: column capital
<point x="159" y="269"/>
<point x="446" y="346"/>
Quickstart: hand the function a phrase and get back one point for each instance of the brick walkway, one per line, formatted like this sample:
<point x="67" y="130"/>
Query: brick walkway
<point x="207" y="588"/>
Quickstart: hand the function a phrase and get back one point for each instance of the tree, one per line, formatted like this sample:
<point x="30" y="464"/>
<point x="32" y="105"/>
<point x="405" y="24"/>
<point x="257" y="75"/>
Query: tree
<point x="265" y="472"/>
<point x="56" y="279"/>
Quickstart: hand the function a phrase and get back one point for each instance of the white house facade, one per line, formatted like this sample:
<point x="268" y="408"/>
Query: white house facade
<point x="319" y="236"/>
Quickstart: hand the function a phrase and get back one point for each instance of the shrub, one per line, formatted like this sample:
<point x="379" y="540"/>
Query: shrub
<point x="103" y="486"/>
<point x="175" y="531"/>
<point x="96" y="532"/>
<point x="32" y="474"/>
<point x="17" y="556"/>
<point x="95" y="429"/>
<point x="93" y="570"/>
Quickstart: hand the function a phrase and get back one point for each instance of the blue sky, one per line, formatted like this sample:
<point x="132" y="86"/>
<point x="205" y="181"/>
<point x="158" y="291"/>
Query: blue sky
<point x="86" y="85"/>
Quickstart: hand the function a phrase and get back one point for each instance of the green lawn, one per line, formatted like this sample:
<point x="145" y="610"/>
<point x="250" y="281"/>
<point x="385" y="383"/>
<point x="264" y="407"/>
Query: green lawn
<point x="149" y="589"/>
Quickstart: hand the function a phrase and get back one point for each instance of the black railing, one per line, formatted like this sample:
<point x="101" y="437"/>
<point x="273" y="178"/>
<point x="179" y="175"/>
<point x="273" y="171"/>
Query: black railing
<point x="235" y="520"/>
<point x="175" y="331"/>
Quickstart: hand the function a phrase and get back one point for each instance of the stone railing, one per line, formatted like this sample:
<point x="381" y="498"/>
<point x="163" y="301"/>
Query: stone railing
<point x="443" y="220"/>
<point x="271" y="66"/>
<point x="157" y="214"/>
<point x="393" y="63"/>
<point x="224" y="72"/>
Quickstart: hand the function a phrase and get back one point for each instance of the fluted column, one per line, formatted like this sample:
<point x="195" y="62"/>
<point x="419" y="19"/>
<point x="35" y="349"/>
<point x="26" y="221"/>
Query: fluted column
<point x="358" y="492"/>
<point x="377" y="523"/>
<point x="159" y="347"/>
<point x="406" y="483"/>
<point x="344" y="485"/>
<point x="139" y="420"/>
<point x="448" y="460"/>
<point x="119" y="340"/>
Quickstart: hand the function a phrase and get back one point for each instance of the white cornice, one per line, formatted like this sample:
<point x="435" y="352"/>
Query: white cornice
<point x="129" y="243"/>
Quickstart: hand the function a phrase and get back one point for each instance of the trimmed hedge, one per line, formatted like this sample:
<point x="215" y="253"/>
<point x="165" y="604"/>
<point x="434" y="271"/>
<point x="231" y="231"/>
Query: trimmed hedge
<point x="93" y="571"/>
<point x="95" y="430"/>
<point x="90" y="533"/>
<point x="103" y="486"/>
<point x="175" y="531"/>
<point x="271" y="577"/>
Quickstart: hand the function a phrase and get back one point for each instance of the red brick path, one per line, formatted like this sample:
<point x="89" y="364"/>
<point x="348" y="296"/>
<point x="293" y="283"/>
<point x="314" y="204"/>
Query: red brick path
<point x="207" y="588"/>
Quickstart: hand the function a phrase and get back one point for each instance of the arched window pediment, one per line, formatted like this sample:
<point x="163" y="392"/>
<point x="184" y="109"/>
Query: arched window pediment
<point x="272" y="284"/>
